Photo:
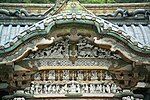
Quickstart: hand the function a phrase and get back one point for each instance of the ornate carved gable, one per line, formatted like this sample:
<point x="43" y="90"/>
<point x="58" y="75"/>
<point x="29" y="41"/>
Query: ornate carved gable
<point x="66" y="53"/>
<point x="72" y="52"/>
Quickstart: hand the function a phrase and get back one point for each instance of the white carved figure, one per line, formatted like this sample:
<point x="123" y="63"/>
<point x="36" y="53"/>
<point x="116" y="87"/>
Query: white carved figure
<point x="51" y="75"/>
<point x="57" y="88"/>
<point x="96" y="40"/>
<point x="81" y="88"/>
<point x="54" y="89"/>
<point x="86" y="88"/>
<point x="114" y="88"/>
<point x="45" y="90"/>
<point x="36" y="89"/>
<point x="46" y="41"/>
<point x="78" y="88"/>
<point x="32" y="89"/>
<point x="104" y="88"/>
<point x="99" y="88"/>
<point x="107" y="76"/>
<point x="80" y="75"/>
<point x="62" y="90"/>
<point x="49" y="88"/>
<point x="92" y="88"/>
<point x="66" y="89"/>
<point x="108" y="88"/>
<point x="40" y="89"/>
<point x="73" y="88"/>
<point x="65" y="74"/>
<point x="93" y="75"/>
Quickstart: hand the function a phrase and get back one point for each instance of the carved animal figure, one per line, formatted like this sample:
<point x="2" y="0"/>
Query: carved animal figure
<point x="144" y="12"/>
<point x="18" y="13"/>
<point x="9" y="13"/>
<point x="122" y="12"/>
<point x="126" y="13"/>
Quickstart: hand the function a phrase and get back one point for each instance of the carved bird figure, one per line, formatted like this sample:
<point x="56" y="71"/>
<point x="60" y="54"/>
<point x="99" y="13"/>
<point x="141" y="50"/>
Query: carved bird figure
<point x="96" y="40"/>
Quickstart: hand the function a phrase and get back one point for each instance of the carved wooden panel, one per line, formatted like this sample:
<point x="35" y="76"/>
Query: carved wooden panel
<point x="72" y="81"/>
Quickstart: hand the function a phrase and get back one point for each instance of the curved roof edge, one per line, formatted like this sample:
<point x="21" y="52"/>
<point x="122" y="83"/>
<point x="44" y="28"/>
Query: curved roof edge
<point x="73" y="12"/>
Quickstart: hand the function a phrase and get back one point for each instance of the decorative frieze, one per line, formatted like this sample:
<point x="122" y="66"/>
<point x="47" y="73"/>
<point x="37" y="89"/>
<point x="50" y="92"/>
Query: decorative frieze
<point x="72" y="87"/>
<point x="83" y="49"/>
<point x="72" y="82"/>
<point x="77" y="75"/>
